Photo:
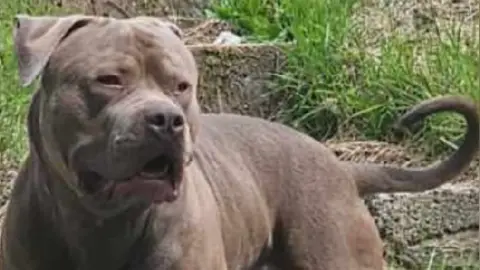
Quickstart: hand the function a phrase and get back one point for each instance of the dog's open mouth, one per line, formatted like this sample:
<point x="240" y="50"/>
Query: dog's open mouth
<point x="157" y="181"/>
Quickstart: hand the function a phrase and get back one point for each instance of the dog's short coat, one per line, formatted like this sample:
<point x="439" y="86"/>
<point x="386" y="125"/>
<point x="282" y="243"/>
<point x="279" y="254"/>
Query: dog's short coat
<point x="125" y="173"/>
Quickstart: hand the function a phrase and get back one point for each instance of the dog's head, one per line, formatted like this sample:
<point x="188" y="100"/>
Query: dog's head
<point x="116" y="110"/>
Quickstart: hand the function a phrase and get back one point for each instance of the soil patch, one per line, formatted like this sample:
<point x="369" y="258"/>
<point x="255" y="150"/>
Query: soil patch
<point x="7" y="176"/>
<point x="196" y="30"/>
<point x="190" y="8"/>
<point x="206" y="32"/>
<point x="382" y="20"/>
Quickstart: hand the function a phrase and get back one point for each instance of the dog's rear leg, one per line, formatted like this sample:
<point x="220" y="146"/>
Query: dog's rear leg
<point x="303" y="244"/>
<point x="326" y="234"/>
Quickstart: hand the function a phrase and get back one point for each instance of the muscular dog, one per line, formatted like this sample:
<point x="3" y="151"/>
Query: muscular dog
<point x="125" y="173"/>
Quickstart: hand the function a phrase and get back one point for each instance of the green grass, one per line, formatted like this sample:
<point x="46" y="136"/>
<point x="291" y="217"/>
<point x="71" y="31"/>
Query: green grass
<point x="343" y="82"/>
<point x="14" y="99"/>
<point x="336" y="86"/>
<point x="433" y="258"/>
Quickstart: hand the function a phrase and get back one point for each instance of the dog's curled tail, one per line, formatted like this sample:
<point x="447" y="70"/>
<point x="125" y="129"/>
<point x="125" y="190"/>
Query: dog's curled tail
<point x="371" y="178"/>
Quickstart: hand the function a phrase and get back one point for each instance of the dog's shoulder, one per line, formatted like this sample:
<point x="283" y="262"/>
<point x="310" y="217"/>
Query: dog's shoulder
<point x="241" y="131"/>
<point x="244" y="126"/>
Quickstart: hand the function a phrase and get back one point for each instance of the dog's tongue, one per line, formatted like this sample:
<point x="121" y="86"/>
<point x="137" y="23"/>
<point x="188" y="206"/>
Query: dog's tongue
<point x="157" y="191"/>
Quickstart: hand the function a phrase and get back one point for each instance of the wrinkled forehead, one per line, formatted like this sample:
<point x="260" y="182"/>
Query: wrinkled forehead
<point x="144" y="43"/>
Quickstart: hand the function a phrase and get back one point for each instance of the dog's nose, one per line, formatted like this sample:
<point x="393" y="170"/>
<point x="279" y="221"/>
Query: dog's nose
<point x="166" y="120"/>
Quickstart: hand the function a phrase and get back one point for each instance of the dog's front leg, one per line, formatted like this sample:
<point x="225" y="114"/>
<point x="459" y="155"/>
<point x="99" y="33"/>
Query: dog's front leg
<point x="176" y="258"/>
<point x="188" y="242"/>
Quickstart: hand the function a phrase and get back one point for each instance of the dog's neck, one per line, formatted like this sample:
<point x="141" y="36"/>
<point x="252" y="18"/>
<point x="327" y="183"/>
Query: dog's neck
<point x="87" y="236"/>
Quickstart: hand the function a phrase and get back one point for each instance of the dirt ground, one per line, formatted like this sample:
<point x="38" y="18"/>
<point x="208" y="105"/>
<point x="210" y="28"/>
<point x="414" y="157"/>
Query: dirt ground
<point x="185" y="8"/>
<point x="382" y="19"/>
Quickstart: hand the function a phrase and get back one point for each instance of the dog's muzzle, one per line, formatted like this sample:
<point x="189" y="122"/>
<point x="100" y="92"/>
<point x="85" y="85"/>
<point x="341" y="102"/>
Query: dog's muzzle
<point x="145" y="161"/>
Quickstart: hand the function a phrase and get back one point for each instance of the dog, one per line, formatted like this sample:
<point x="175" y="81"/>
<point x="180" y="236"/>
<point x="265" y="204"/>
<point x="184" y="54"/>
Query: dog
<point x="124" y="171"/>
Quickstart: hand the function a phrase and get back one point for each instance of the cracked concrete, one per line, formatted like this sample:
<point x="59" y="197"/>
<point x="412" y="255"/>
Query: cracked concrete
<point x="409" y="218"/>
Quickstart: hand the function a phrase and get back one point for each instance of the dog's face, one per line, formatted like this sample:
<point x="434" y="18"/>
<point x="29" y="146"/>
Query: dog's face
<point x="117" y="101"/>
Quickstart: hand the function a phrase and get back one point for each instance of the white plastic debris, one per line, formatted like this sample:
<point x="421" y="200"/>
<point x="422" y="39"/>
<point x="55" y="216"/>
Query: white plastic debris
<point x="227" y="38"/>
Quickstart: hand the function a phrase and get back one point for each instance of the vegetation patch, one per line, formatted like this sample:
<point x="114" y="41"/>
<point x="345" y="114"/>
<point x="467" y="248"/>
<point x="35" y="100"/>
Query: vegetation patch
<point x="14" y="99"/>
<point x="357" y="65"/>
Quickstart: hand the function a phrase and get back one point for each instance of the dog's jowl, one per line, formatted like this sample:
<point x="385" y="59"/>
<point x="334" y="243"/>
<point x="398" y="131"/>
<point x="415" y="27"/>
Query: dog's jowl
<point x="125" y="173"/>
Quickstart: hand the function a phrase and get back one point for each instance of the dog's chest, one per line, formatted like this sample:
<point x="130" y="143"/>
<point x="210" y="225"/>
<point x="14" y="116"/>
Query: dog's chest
<point x="101" y="245"/>
<point x="242" y="210"/>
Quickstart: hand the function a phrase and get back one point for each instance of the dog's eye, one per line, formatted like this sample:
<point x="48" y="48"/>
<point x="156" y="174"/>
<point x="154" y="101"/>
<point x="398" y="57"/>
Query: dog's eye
<point x="183" y="86"/>
<point x="110" y="80"/>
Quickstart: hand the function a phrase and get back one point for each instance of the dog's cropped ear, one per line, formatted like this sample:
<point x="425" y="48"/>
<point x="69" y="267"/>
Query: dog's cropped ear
<point x="175" y="29"/>
<point x="160" y="22"/>
<point x="170" y="25"/>
<point x="36" y="38"/>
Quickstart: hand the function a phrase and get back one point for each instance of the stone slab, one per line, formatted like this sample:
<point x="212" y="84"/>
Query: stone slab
<point x="409" y="218"/>
<point x="438" y="226"/>
<point x="237" y="79"/>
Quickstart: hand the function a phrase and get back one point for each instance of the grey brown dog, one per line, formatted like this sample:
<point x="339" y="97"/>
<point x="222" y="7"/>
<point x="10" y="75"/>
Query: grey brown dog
<point x="125" y="173"/>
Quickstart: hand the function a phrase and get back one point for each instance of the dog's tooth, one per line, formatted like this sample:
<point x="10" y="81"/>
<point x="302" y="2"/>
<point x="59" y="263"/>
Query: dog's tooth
<point x="164" y="169"/>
